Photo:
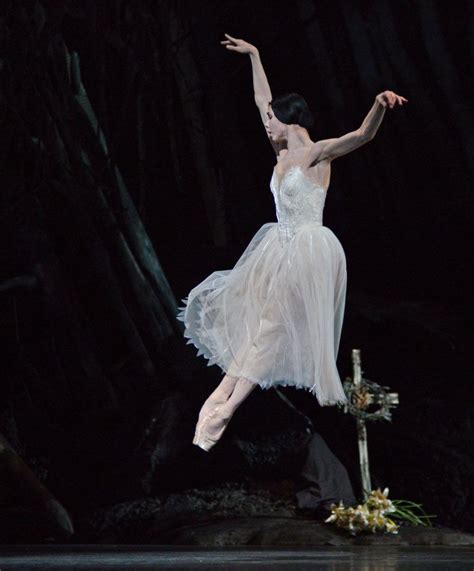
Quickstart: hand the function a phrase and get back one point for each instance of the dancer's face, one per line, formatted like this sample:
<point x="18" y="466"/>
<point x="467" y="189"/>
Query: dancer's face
<point x="275" y="128"/>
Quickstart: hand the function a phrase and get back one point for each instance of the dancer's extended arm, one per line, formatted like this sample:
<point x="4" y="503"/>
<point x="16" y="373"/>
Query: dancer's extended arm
<point x="332" y="148"/>
<point x="261" y="87"/>
<point x="262" y="91"/>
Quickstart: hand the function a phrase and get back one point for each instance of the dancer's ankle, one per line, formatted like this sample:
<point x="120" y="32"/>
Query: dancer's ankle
<point x="226" y="411"/>
<point x="216" y="400"/>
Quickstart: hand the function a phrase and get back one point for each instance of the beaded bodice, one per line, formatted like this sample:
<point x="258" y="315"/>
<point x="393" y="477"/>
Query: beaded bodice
<point x="298" y="200"/>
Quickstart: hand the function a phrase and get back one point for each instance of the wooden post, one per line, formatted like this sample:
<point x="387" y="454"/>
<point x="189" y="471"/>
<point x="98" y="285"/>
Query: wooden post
<point x="361" y="432"/>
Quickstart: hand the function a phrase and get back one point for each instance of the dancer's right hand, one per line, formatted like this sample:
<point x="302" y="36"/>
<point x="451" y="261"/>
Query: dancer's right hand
<point x="238" y="45"/>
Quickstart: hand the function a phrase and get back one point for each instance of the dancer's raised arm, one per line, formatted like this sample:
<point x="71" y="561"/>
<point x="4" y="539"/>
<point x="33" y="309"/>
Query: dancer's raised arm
<point x="330" y="149"/>
<point x="262" y="92"/>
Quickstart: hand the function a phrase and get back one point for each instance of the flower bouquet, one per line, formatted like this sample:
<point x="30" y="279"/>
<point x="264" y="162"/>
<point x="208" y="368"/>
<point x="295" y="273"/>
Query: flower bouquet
<point x="372" y="514"/>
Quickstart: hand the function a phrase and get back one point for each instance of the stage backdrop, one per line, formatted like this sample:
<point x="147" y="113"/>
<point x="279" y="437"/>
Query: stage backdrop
<point x="134" y="163"/>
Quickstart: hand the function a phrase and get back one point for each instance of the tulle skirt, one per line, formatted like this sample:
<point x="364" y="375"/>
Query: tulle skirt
<point x="276" y="317"/>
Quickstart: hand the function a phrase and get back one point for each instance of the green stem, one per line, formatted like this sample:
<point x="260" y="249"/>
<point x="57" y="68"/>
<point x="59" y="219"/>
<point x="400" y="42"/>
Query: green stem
<point x="412" y="517"/>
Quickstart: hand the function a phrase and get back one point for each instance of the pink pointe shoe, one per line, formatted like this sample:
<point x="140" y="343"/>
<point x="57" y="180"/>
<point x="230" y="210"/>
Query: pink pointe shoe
<point x="210" y="428"/>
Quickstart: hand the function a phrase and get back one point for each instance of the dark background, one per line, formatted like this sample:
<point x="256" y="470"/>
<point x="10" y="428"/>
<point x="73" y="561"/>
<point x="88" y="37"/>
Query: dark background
<point x="122" y="192"/>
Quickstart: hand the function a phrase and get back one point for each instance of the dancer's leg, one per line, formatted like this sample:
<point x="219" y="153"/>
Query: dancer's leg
<point x="222" y="392"/>
<point x="241" y="391"/>
<point x="218" y="397"/>
<point x="212" y="425"/>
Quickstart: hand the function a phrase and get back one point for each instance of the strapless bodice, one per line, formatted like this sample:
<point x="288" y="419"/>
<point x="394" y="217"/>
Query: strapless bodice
<point x="298" y="200"/>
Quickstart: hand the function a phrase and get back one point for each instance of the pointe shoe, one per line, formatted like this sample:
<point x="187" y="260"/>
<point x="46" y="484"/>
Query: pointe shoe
<point x="202" y="437"/>
<point x="209" y="405"/>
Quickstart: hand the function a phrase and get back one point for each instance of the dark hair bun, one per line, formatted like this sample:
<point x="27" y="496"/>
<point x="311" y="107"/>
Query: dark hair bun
<point x="306" y="119"/>
<point x="292" y="109"/>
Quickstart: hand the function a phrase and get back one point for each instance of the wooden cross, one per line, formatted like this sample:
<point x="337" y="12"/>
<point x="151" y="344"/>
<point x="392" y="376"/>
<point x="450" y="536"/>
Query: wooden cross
<point x="362" y="394"/>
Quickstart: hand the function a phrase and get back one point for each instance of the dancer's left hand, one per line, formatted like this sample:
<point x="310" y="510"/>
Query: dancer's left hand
<point x="390" y="98"/>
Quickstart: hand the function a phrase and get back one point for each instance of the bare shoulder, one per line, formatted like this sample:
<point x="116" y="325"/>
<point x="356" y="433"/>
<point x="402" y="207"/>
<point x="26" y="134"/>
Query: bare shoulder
<point x="316" y="153"/>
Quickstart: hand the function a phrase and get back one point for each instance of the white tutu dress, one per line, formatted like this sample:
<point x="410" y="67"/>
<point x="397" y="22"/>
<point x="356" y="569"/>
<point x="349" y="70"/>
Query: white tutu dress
<point x="276" y="317"/>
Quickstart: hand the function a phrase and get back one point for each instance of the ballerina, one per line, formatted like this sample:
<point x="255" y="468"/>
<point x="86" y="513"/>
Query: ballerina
<point x="276" y="317"/>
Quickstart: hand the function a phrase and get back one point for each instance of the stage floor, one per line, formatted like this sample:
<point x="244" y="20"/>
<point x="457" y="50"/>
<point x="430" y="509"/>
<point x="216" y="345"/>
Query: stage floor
<point x="133" y="557"/>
